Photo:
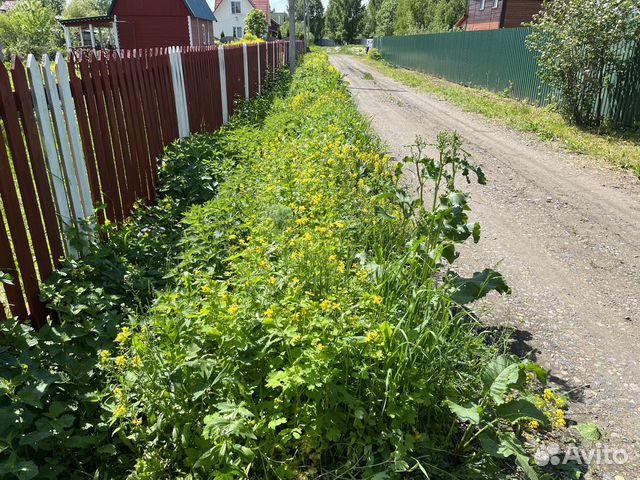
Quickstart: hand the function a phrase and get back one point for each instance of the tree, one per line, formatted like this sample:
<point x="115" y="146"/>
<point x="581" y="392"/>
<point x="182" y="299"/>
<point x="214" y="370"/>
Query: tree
<point x="256" y="23"/>
<point x="86" y="8"/>
<point x="80" y="9"/>
<point x="579" y="46"/>
<point x="30" y="27"/>
<point x="386" y="18"/>
<point x="428" y="16"/>
<point x="344" y="18"/>
<point x="371" y="17"/>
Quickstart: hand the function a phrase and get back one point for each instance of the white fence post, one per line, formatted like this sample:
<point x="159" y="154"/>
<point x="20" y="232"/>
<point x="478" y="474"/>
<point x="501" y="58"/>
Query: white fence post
<point x="259" y="69"/>
<point x="223" y="85"/>
<point x="73" y="131"/>
<point x="180" y="94"/>
<point x="246" y="71"/>
<point x="49" y="144"/>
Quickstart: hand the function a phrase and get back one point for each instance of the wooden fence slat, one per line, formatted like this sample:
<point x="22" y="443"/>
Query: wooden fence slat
<point x="106" y="163"/>
<point x="32" y="136"/>
<point x="64" y="144"/>
<point x="10" y="201"/>
<point x="73" y="129"/>
<point x="24" y="176"/>
<point x="85" y="133"/>
<point x="7" y="265"/>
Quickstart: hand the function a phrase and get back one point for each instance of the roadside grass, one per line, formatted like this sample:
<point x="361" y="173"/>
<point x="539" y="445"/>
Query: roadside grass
<point x="620" y="148"/>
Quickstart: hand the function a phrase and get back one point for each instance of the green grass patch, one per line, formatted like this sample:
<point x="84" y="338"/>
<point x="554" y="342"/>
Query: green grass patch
<point x="619" y="148"/>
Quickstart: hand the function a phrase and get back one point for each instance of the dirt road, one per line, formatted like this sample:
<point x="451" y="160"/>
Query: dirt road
<point x="565" y="234"/>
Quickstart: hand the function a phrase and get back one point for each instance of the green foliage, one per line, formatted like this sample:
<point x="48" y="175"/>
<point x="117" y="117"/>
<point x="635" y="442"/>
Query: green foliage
<point x="344" y="20"/>
<point x="310" y="330"/>
<point x="316" y="16"/>
<point x="30" y="27"/>
<point x="374" y="54"/>
<point x="51" y="387"/>
<point x="427" y="16"/>
<point x="80" y="9"/>
<point x="256" y="23"/>
<point x="386" y="18"/>
<point x="582" y="46"/>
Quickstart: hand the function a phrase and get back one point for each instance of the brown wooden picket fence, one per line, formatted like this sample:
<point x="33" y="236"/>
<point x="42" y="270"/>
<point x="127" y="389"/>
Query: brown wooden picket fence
<point x="87" y="131"/>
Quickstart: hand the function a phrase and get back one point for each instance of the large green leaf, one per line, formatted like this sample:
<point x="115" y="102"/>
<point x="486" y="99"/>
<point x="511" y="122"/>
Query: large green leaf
<point x="506" y="379"/>
<point x="589" y="431"/>
<point x="520" y="410"/>
<point x="495" y="367"/>
<point x="469" y="290"/>
<point x="469" y="413"/>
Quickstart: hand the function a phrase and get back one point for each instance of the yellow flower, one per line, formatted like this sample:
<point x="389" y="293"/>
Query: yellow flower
<point x="307" y="237"/>
<point x="320" y="347"/>
<point x="233" y="309"/>
<point x="333" y="258"/>
<point x="107" y="222"/>
<point x="104" y="355"/>
<point x="232" y="237"/>
<point x="339" y="225"/>
<point x="123" y="336"/>
<point x="321" y="229"/>
<point x="362" y="275"/>
<point x="272" y="280"/>
<point x="371" y="337"/>
<point x="560" y="402"/>
<point x="136" y="361"/>
<point x="325" y="305"/>
<point x="136" y="422"/>
<point x="302" y="221"/>
<point x="206" y="289"/>
<point x="120" y="411"/>
<point x="269" y="312"/>
<point x="534" y="424"/>
<point x="336" y="306"/>
<point x="121" y="361"/>
<point x="548" y="395"/>
<point x="341" y="267"/>
<point x="118" y="392"/>
<point x="377" y="299"/>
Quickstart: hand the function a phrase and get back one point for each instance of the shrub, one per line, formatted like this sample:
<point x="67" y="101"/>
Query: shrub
<point x="256" y="23"/>
<point x="374" y="54"/>
<point x="582" y="47"/>
<point x="316" y="327"/>
<point x="30" y="27"/>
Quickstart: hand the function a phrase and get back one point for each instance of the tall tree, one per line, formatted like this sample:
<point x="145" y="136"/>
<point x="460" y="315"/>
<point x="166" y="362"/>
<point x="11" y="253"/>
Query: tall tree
<point x="344" y="20"/>
<point x="256" y="23"/>
<point x="30" y="27"/>
<point x="316" y="16"/>
<point x="428" y="16"/>
<point x="371" y="16"/>
<point x="386" y="18"/>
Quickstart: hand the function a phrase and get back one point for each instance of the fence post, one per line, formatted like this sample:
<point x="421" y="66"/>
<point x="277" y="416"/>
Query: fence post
<point x="223" y="85"/>
<point x="49" y="144"/>
<point x="259" y="69"/>
<point x="177" y="77"/>
<point x="73" y="130"/>
<point x="245" y="56"/>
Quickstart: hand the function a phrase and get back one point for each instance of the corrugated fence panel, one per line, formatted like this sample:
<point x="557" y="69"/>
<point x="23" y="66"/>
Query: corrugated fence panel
<point x="499" y="60"/>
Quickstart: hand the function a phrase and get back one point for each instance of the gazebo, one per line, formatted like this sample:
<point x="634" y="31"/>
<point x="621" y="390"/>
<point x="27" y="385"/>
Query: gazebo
<point x="97" y="33"/>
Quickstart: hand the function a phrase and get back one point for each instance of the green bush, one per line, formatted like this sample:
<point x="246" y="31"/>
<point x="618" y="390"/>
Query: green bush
<point x="374" y="54"/>
<point x="315" y="327"/>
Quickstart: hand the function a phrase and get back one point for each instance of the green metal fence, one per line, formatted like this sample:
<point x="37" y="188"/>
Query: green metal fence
<point x="499" y="60"/>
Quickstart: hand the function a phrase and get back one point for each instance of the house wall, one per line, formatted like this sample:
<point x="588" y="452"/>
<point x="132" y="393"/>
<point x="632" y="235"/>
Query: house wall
<point x="227" y="20"/>
<point x="488" y="18"/>
<point x="167" y="27"/>
<point x="520" y="11"/>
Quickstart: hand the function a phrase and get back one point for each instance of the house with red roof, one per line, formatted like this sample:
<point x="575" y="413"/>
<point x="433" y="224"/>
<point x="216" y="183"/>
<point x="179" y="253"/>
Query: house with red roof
<point x="230" y="15"/>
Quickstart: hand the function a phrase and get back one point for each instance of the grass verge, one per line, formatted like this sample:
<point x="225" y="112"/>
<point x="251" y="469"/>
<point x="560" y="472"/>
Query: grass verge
<point x="315" y="328"/>
<point x="619" y="148"/>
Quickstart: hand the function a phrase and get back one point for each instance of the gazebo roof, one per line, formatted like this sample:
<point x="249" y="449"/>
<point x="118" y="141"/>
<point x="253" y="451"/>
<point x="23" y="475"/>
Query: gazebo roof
<point x="95" y="21"/>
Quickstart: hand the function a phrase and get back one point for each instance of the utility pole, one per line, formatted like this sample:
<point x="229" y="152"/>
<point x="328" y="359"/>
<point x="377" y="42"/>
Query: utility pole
<point x="292" y="35"/>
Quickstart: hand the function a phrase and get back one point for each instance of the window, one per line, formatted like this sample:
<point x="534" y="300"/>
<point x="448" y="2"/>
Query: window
<point x="482" y="2"/>
<point x="237" y="32"/>
<point x="495" y="3"/>
<point x="235" y="8"/>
